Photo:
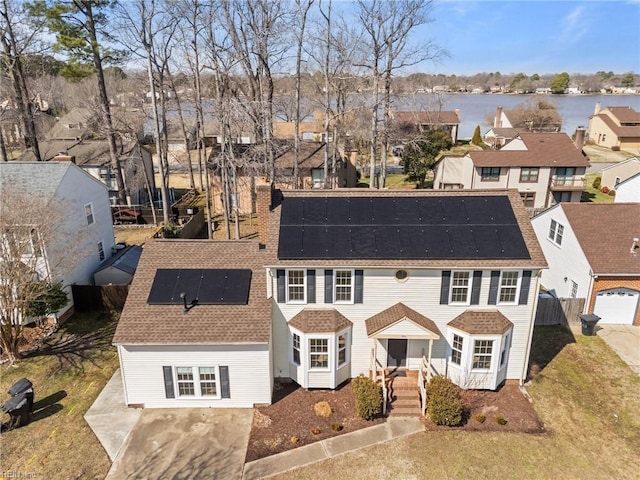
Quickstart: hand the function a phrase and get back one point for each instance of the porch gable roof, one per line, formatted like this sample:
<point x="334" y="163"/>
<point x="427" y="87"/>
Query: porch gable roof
<point x="400" y="320"/>
<point x="320" y="321"/>
<point x="481" y="322"/>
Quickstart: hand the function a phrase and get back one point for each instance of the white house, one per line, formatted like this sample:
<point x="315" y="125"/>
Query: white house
<point x="615" y="174"/>
<point x="341" y="283"/>
<point x="81" y="235"/>
<point x="593" y="253"/>
<point x="546" y="168"/>
<point x="628" y="190"/>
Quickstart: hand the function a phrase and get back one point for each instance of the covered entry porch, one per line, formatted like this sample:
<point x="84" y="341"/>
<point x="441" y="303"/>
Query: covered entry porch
<point x="402" y="340"/>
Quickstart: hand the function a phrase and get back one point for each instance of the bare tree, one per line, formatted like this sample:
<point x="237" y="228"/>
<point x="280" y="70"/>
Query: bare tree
<point x="31" y="266"/>
<point x="17" y="35"/>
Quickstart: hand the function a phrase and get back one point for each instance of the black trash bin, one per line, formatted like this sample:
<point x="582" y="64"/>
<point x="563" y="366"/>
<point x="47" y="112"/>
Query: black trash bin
<point x="589" y="321"/>
<point x="19" y="410"/>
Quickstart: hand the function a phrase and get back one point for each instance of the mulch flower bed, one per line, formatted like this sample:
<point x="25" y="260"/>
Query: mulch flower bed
<point x="289" y="421"/>
<point x="508" y="402"/>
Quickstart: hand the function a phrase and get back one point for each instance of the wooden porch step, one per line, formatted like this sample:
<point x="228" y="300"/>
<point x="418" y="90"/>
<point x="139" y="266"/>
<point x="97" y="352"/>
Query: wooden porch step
<point x="404" y="411"/>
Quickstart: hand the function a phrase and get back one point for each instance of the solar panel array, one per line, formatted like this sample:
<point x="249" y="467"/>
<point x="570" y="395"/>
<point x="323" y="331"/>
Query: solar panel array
<point x="200" y="286"/>
<point x="456" y="227"/>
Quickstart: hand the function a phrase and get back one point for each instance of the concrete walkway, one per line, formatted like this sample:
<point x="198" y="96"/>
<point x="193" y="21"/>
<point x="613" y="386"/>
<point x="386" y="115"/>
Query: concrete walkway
<point x="625" y="341"/>
<point x="110" y="419"/>
<point x="299" y="457"/>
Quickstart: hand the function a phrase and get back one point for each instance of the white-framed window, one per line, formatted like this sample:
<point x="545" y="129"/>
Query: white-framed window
<point x="490" y="174"/>
<point x="508" y="287"/>
<point x="318" y="353"/>
<point x="296" y="286"/>
<point x="482" y="353"/>
<point x="296" y="349"/>
<point x="456" y="349"/>
<point x="342" y="349"/>
<point x="88" y="211"/>
<point x="101" y="251"/>
<point x="460" y="287"/>
<point x="556" y="231"/>
<point x="574" y="289"/>
<point x="184" y="379"/>
<point x="343" y="286"/>
<point x="197" y="382"/>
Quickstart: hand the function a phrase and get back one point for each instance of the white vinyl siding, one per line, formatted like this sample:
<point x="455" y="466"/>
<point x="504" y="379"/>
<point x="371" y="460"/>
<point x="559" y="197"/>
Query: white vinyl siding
<point x="249" y="374"/>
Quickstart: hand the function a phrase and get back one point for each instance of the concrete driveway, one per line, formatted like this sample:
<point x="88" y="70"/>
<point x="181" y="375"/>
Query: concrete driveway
<point x="625" y="341"/>
<point x="185" y="444"/>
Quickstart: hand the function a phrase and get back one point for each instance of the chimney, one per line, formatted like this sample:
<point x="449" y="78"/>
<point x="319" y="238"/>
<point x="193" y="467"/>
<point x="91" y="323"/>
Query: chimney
<point x="497" y="122"/>
<point x="457" y="110"/>
<point x="597" y="109"/>
<point x="264" y="196"/>
<point x="579" y="140"/>
<point x="65" y="157"/>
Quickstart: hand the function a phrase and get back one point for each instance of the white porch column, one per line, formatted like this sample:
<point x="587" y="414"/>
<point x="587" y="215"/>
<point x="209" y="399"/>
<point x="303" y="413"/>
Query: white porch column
<point x="429" y="359"/>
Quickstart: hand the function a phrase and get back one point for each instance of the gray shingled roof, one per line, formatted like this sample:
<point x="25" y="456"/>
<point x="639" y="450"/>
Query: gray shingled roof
<point x="479" y="322"/>
<point x="41" y="178"/>
<point x="126" y="260"/>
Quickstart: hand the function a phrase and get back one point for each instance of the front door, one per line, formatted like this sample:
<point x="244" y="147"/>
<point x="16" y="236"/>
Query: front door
<point x="397" y="353"/>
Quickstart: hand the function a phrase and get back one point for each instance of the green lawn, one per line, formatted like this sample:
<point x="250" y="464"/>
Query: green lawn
<point x="586" y="397"/>
<point x="593" y="195"/>
<point x="68" y="374"/>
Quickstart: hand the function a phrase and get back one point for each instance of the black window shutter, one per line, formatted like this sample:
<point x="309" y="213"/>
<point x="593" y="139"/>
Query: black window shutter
<point x="359" y="293"/>
<point x="225" y="391"/>
<point x="475" y="287"/>
<point x="524" y="287"/>
<point x="328" y="286"/>
<point x="311" y="286"/>
<point x="281" y="286"/>
<point x="168" y="382"/>
<point x="444" y="288"/>
<point x="493" y="287"/>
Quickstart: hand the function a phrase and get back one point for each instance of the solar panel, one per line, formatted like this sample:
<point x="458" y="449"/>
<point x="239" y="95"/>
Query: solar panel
<point x="438" y="227"/>
<point x="200" y="286"/>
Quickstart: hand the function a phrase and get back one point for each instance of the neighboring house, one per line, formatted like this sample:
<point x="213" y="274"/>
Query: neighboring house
<point x="618" y="172"/>
<point x="628" y="190"/>
<point x="508" y="123"/>
<point x="410" y="124"/>
<point x="546" y="168"/>
<point x="310" y="130"/>
<point x="340" y="283"/>
<point x="119" y="269"/>
<point x="83" y="235"/>
<point x="73" y="138"/>
<point x="310" y="175"/>
<point x="593" y="253"/>
<point x="12" y="131"/>
<point x="615" y="128"/>
<point x="497" y="137"/>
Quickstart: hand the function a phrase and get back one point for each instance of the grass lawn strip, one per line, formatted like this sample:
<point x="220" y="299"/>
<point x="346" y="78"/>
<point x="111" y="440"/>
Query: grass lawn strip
<point x="587" y="398"/>
<point x="68" y="373"/>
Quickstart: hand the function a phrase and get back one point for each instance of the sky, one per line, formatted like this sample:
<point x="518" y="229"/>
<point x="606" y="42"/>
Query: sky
<point x="542" y="36"/>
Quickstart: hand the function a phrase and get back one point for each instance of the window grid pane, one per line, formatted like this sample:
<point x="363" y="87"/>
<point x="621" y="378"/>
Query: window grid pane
<point x="296" y="285"/>
<point x="185" y="381"/>
<point x="208" y="381"/>
<point x="482" y="351"/>
<point x="456" y="350"/>
<point x="296" y="349"/>
<point x="508" y="286"/>
<point x="460" y="287"/>
<point x="319" y="352"/>
<point x="343" y="285"/>
<point x="342" y="349"/>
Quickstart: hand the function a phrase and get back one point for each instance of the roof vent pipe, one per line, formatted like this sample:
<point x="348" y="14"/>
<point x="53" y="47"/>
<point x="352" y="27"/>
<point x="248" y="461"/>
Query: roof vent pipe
<point x="635" y="246"/>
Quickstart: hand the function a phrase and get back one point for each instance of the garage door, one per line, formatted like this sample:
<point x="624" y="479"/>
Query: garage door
<point x="618" y="305"/>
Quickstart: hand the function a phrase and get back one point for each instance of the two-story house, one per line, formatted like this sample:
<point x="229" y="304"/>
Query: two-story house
<point x="69" y="220"/>
<point x="340" y="283"/>
<point x="615" y="128"/>
<point x="594" y="253"/>
<point x="546" y="168"/>
<point x="409" y="124"/>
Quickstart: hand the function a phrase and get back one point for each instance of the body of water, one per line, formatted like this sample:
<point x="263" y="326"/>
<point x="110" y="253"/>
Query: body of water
<point x="474" y="109"/>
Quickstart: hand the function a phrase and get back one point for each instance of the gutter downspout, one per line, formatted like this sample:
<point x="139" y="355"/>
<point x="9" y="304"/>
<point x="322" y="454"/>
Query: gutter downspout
<point x="525" y="367"/>
<point x="592" y="278"/>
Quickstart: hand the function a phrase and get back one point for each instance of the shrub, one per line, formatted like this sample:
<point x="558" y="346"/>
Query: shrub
<point x="323" y="409"/>
<point x="615" y="148"/>
<point x="294" y="440"/>
<point x="480" y="417"/>
<point x="604" y="189"/>
<point x="315" y="430"/>
<point x="500" y="420"/>
<point x="597" y="182"/>
<point x="368" y="395"/>
<point x="336" y="427"/>
<point x="444" y="404"/>
<point x="612" y="193"/>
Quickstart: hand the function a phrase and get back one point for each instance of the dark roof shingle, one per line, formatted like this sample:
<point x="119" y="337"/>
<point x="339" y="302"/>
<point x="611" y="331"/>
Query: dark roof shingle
<point x="396" y="313"/>
<point x="320" y="321"/>
<point x="479" y="322"/>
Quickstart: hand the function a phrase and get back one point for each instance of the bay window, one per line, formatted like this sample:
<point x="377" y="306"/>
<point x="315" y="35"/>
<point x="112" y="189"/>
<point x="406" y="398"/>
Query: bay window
<point x="482" y="353"/>
<point x="318" y="353"/>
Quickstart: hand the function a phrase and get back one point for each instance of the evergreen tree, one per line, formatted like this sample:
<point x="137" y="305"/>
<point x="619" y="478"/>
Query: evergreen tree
<point x="560" y="83"/>
<point x="477" y="139"/>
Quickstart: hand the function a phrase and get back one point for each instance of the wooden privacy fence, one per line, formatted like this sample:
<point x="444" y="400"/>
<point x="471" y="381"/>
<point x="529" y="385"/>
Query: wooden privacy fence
<point x="559" y="311"/>
<point x="88" y="298"/>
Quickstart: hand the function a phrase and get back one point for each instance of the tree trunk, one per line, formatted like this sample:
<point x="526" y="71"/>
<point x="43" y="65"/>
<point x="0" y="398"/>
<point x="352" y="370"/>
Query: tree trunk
<point x="374" y="130"/>
<point x="104" y="101"/>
